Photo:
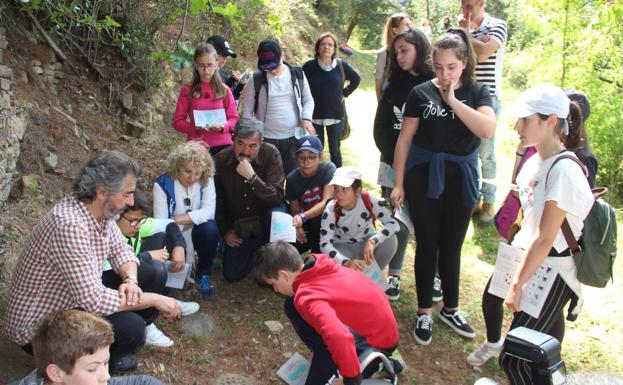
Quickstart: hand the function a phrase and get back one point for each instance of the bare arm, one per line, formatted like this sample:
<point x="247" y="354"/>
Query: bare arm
<point x="484" y="47"/>
<point x="409" y="128"/>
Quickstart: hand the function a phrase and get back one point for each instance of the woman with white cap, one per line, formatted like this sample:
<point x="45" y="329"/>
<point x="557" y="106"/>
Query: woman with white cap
<point x="347" y="229"/>
<point x="551" y="191"/>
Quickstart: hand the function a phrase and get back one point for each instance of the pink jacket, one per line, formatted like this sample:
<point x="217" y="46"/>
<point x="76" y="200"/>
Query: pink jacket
<point x="183" y="120"/>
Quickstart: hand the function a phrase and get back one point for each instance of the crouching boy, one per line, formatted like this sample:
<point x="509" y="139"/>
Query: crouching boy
<point x="337" y="312"/>
<point x="71" y="348"/>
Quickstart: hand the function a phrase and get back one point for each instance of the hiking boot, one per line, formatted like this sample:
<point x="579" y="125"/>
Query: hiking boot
<point x="206" y="289"/>
<point x="487" y="213"/>
<point x="457" y="322"/>
<point x="437" y="292"/>
<point x="393" y="293"/>
<point x="188" y="308"/>
<point x="486" y="351"/>
<point x="155" y="337"/>
<point x="123" y="365"/>
<point x="423" y="331"/>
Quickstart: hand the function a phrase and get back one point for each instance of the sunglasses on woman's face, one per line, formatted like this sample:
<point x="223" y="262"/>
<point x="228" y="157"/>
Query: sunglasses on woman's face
<point x="187" y="204"/>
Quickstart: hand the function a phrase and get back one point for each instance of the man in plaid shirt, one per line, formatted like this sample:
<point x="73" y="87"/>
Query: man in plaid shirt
<point x="62" y="262"/>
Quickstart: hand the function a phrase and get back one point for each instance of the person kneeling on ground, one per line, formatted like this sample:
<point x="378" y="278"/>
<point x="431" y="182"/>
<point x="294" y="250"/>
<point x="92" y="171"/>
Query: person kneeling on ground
<point x="71" y="348"/>
<point x="337" y="312"/>
<point x="348" y="232"/>
<point x="150" y="238"/>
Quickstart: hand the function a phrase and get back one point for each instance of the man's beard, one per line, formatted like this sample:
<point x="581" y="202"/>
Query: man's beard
<point x="111" y="213"/>
<point x="249" y="158"/>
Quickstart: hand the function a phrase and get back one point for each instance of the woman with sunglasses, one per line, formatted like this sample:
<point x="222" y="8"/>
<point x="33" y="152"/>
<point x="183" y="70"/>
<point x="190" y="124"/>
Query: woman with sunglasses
<point x="186" y="194"/>
<point x="206" y="92"/>
<point x="308" y="190"/>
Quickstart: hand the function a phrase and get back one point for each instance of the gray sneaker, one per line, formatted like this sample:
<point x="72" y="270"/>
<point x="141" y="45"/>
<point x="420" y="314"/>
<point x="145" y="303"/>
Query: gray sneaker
<point x="486" y="351"/>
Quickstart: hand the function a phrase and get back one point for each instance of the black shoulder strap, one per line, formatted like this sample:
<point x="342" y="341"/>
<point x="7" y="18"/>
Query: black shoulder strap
<point x="340" y="65"/>
<point x="259" y="78"/>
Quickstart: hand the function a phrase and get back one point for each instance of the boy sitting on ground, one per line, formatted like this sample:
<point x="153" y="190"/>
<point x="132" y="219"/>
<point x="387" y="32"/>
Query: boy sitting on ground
<point x="338" y="312"/>
<point x="71" y="348"/>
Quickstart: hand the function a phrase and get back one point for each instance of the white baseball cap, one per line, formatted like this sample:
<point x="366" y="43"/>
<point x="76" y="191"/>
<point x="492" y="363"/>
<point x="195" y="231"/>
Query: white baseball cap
<point x="345" y="176"/>
<point x="545" y="99"/>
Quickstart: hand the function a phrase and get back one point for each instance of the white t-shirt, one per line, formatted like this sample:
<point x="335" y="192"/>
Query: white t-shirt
<point x="566" y="185"/>
<point x="281" y="110"/>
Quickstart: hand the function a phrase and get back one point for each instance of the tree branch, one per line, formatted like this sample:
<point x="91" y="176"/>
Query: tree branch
<point x="51" y="43"/>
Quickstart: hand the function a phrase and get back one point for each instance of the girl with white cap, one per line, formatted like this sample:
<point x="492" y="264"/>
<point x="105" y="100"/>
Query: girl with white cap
<point x="551" y="191"/>
<point x="347" y="231"/>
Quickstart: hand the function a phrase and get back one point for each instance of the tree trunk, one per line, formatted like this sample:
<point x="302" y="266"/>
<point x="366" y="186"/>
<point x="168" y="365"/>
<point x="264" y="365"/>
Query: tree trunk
<point x="350" y="26"/>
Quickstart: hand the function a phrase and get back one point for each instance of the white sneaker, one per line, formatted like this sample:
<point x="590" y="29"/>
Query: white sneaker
<point x="153" y="336"/>
<point x="486" y="381"/>
<point x="188" y="308"/>
<point x="486" y="351"/>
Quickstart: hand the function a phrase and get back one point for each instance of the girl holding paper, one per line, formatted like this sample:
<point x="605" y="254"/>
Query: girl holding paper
<point x="347" y="228"/>
<point x="208" y="100"/>
<point x="550" y="191"/>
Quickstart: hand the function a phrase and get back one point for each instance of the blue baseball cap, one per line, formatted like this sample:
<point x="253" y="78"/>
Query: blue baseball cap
<point x="309" y="143"/>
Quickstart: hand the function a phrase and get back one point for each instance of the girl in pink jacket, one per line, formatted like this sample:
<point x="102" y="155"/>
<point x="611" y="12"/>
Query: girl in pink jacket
<point x="206" y="92"/>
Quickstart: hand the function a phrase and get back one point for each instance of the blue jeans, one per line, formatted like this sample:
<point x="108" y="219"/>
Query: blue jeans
<point x="334" y="132"/>
<point x="487" y="161"/>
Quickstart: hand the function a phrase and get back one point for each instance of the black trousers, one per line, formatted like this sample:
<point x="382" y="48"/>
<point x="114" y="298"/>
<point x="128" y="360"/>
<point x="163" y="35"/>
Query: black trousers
<point x="287" y="149"/>
<point x="129" y="326"/>
<point x="440" y="226"/>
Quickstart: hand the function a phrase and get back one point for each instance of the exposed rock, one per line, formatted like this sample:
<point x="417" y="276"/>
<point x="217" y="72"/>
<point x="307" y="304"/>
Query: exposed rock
<point x="127" y="99"/>
<point x="35" y="63"/>
<point x="5" y="71"/>
<point x="5" y="84"/>
<point x="234" y="379"/>
<point x="59" y="74"/>
<point x="5" y="101"/>
<point x="50" y="162"/>
<point x="135" y="129"/>
<point x="3" y="44"/>
<point x="199" y="324"/>
<point x="275" y="327"/>
<point x="23" y="77"/>
<point x="38" y="70"/>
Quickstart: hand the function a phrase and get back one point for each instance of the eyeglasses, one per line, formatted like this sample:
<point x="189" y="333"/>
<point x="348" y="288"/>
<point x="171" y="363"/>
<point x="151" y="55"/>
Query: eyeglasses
<point x="135" y="221"/>
<point x="327" y="45"/>
<point x="187" y="204"/>
<point x="304" y="159"/>
<point x="204" y="67"/>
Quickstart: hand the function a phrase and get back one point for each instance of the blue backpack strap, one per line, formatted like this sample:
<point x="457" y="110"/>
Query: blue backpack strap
<point x="166" y="183"/>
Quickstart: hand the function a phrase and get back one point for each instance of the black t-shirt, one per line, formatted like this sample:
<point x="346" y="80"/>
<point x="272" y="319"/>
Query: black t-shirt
<point x="308" y="190"/>
<point x="439" y="130"/>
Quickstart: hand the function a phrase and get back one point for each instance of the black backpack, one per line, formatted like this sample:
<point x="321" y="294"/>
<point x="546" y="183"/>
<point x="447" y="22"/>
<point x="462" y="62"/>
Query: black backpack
<point x="259" y="79"/>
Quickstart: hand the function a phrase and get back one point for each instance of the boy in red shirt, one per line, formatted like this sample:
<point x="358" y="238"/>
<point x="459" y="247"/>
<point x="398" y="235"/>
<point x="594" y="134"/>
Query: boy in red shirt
<point x="338" y="312"/>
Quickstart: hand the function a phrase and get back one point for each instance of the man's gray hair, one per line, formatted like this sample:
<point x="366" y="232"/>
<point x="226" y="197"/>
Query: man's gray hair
<point x="246" y="128"/>
<point x="107" y="168"/>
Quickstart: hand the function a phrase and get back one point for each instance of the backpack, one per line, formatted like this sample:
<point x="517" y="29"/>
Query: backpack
<point x="594" y="256"/>
<point x="167" y="184"/>
<point x="367" y="202"/>
<point x="259" y="79"/>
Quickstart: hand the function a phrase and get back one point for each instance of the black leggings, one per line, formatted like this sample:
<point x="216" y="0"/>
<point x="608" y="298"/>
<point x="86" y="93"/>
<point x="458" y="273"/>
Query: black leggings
<point x="550" y="321"/>
<point x="440" y="226"/>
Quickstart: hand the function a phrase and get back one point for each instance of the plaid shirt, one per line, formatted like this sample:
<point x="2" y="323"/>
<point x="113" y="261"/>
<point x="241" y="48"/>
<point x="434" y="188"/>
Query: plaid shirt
<point x="61" y="268"/>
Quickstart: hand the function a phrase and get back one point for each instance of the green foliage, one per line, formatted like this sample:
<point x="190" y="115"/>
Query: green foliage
<point x="576" y="44"/>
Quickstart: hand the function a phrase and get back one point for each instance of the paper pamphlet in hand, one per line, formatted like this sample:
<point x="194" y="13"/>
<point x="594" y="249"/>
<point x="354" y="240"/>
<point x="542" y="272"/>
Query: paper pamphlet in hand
<point x="209" y="117"/>
<point x="386" y="175"/>
<point x="534" y="291"/>
<point x="176" y="280"/>
<point x="295" y="370"/>
<point x="281" y="228"/>
<point x="376" y="274"/>
<point x="403" y="216"/>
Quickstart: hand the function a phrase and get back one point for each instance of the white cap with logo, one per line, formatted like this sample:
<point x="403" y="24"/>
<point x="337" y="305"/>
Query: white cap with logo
<point x="345" y="176"/>
<point x="545" y="99"/>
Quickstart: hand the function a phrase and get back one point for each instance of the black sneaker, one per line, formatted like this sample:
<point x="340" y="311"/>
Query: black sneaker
<point x="123" y="365"/>
<point x="457" y="322"/>
<point x="393" y="293"/>
<point x="423" y="331"/>
<point x="437" y="292"/>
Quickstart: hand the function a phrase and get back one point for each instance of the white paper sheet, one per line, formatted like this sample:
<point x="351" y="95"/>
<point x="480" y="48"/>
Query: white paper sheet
<point x="209" y="117"/>
<point x="386" y="175"/>
<point x="281" y="228"/>
<point x="376" y="274"/>
<point x="176" y="280"/>
<point x="295" y="370"/>
<point x="534" y="291"/>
